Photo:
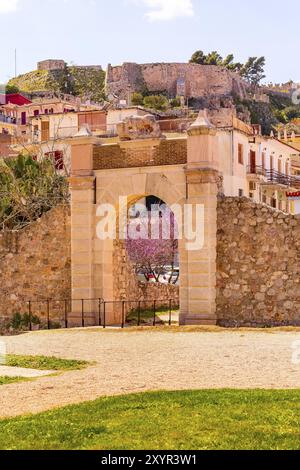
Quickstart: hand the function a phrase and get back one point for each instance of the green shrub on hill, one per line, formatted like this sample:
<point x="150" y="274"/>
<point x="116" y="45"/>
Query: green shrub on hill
<point x="39" y="80"/>
<point x="71" y="80"/>
<point x="28" y="189"/>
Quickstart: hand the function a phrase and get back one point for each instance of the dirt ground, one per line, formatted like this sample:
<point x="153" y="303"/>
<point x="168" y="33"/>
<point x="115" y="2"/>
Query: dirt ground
<point x="138" y="361"/>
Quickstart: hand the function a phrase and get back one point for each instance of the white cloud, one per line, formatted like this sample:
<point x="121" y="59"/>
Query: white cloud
<point x="7" y="6"/>
<point x="165" y="10"/>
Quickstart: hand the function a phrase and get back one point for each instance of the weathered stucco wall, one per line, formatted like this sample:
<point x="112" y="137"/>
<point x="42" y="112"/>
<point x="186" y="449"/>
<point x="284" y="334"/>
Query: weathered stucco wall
<point x="35" y="262"/>
<point x="258" y="281"/>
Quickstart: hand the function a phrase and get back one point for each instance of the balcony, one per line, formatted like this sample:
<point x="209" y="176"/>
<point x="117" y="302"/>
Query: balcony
<point x="273" y="177"/>
<point x="255" y="170"/>
<point x="7" y="119"/>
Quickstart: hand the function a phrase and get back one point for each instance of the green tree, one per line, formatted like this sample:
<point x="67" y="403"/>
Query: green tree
<point x="214" y="58"/>
<point x="11" y="89"/>
<point x="137" y="99"/>
<point x="158" y="102"/>
<point x="28" y="189"/>
<point x="253" y="70"/>
<point x="198" y="58"/>
<point x="292" y="112"/>
<point x="229" y="63"/>
<point x="175" y="102"/>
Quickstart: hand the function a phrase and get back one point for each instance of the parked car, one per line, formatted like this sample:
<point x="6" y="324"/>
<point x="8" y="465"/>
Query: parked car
<point x="146" y="277"/>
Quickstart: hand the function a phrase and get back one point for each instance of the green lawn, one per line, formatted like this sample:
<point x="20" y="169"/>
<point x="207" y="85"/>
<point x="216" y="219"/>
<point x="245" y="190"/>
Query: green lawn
<point x="223" y="419"/>
<point x="44" y="363"/>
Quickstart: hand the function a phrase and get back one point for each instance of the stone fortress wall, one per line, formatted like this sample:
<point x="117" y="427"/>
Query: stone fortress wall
<point x="190" y="80"/>
<point x="52" y="65"/>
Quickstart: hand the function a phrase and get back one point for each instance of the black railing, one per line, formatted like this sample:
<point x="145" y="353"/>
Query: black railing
<point x="273" y="176"/>
<point x="255" y="170"/>
<point x="8" y="119"/>
<point x="70" y="313"/>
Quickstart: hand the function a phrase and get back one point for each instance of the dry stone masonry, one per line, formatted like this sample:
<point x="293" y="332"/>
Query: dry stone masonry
<point x="35" y="262"/>
<point x="128" y="287"/>
<point x="258" y="265"/>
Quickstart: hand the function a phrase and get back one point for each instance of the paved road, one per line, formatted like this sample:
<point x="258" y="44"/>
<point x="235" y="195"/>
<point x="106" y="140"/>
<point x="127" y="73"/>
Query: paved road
<point x="128" y="361"/>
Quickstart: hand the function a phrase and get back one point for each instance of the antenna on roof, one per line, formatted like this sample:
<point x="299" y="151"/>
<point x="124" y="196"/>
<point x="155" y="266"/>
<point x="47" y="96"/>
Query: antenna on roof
<point x="15" y="63"/>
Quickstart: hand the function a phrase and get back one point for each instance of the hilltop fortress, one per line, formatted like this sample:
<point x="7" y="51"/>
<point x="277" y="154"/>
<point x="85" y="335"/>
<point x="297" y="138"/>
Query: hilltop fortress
<point x="53" y="65"/>
<point x="177" y="79"/>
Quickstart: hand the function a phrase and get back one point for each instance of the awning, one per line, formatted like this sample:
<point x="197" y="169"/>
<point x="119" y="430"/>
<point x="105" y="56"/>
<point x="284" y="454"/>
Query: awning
<point x="295" y="195"/>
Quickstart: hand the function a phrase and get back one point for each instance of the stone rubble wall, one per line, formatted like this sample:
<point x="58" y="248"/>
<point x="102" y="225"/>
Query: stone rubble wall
<point x="35" y="263"/>
<point x="258" y="265"/>
<point x="128" y="287"/>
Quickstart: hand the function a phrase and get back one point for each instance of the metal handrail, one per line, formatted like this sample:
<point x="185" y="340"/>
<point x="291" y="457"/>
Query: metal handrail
<point x="255" y="170"/>
<point x="100" y="310"/>
<point x="273" y="176"/>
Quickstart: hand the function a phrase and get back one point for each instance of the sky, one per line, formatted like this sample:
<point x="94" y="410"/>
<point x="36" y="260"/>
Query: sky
<point x="88" y="32"/>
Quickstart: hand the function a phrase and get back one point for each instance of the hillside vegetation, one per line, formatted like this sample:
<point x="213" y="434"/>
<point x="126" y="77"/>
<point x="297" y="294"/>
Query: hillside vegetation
<point x="78" y="81"/>
<point x="39" y="80"/>
<point x="280" y="112"/>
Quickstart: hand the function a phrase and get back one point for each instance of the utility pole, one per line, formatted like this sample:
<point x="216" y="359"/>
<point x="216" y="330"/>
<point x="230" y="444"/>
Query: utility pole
<point x="15" y="63"/>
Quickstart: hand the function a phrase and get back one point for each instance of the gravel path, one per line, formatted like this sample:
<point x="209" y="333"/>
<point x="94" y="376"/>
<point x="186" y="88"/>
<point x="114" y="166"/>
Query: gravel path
<point x="20" y="372"/>
<point x="128" y="362"/>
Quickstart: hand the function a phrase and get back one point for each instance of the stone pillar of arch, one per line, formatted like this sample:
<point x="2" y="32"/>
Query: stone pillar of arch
<point x="82" y="187"/>
<point x="198" y="267"/>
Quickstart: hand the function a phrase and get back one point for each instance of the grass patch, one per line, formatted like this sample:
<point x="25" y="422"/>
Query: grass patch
<point x="147" y="315"/>
<point x="44" y="363"/>
<point x="214" y="419"/>
<point x="10" y="380"/>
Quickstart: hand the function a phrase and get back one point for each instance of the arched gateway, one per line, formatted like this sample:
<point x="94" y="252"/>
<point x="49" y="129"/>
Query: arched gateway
<point x="181" y="172"/>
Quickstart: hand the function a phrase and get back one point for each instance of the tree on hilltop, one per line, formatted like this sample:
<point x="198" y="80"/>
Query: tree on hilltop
<point x="253" y="70"/>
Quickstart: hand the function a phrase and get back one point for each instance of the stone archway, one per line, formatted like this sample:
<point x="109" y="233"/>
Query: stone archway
<point x="191" y="182"/>
<point x="169" y="187"/>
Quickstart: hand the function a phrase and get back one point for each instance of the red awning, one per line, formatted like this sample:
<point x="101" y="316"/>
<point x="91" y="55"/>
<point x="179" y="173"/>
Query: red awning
<point x="15" y="98"/>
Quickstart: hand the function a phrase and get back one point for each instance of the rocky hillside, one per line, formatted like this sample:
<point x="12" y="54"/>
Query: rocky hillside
<point x="280" y="112"/>
<point x="87" y="83"/>
<point x="90" y="84"/>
